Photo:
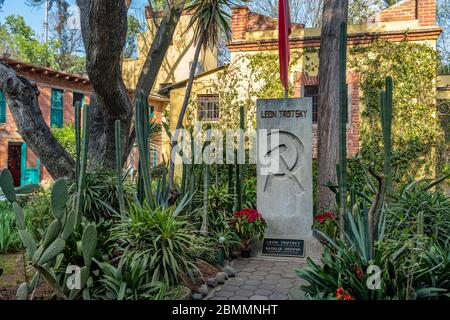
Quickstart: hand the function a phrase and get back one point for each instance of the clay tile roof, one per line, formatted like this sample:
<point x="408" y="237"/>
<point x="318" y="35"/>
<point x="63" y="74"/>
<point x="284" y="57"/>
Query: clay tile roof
<point x="28" y="67"/>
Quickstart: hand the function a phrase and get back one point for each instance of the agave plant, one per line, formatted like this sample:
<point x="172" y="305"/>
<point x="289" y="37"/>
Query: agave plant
<point x="163" y="236"/>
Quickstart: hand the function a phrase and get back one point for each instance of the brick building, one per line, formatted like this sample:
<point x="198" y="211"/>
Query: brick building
<point x="253" y="33"/>
<point x="59" y="92"/>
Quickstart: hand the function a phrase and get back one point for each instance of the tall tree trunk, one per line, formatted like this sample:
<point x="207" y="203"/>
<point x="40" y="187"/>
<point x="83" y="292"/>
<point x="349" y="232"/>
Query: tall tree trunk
<point x="154" y="60"/>
<point x="184" y="106"/>
<point x="104" y="28"/>
<point x="22" y="96"/>
<point x="334" y="13"/>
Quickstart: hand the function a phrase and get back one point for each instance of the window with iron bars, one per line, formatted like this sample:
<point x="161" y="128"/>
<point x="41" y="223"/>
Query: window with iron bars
<point x="208" y="109"/>
<point x="312" y="91"/>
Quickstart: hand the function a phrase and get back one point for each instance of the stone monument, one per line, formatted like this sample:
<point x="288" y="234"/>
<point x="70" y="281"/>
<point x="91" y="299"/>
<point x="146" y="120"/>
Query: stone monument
<point x="285" y="191"/>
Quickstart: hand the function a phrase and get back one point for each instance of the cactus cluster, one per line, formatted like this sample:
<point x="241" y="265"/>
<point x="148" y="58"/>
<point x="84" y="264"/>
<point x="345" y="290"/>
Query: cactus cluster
<point x="384" y="182"/>
<point x="47" y="255"/>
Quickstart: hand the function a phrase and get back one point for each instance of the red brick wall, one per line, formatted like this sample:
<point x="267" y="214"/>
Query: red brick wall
<point x="304" y="79"/>
<point x="239" y="23"/>
<point x="8" y="130"/>
<point x="423" y="10"/>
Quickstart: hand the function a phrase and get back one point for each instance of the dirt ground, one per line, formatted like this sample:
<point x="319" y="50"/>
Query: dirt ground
<point x="14" y="274"/>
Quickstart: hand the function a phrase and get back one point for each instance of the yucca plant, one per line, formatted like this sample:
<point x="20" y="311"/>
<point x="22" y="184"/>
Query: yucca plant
<point x="415" y="203"/>
<point x="167" y="238"/>
<point x="129" y="280"/>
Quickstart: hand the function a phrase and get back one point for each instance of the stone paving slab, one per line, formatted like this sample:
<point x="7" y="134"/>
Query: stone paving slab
<point x="262" y="279"/>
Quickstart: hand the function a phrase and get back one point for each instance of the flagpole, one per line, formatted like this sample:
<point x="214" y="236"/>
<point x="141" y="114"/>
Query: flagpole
<point x="286" y="90"/>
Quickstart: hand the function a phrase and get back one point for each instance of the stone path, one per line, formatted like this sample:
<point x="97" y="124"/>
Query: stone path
<point x="261" y="279"/>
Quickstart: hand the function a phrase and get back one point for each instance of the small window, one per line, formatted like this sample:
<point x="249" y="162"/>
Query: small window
<point x="56" y="112"/>
<point x="208" y="108"/>
<point x="154" y="157"/>
<point x="313" y="92"/>
<point x="2" y="108"/>
<point x="78" y="98"/>
<point x="152" y="112"/>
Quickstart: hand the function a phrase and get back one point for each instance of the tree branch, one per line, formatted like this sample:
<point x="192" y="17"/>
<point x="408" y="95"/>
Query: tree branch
<point x="22" y="96"/>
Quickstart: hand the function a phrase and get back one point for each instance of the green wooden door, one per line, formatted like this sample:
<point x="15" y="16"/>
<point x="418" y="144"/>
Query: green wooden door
<point x="57" y="105"/>
<point x="29" y="174"/>
<point x="2" y="107"/>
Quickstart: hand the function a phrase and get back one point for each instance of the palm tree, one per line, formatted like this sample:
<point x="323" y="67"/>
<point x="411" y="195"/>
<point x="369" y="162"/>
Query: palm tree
<point x="210" y="18"/>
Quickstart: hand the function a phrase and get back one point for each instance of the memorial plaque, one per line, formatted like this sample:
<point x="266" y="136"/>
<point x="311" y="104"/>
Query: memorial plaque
<point x="284" y="247"/>
<point x="285" y="191"/>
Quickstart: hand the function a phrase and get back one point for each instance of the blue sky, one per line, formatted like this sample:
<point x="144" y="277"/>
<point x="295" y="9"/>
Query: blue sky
<point x="35" y="16"/>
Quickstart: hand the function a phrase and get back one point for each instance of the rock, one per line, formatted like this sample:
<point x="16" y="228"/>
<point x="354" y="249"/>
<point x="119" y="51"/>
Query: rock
<point x="230" y="271"/>
<point x="197" y="296"/>
<point x="211" y="282"/>
<point x="221" y="277"/>
<point x="203" y="290"/>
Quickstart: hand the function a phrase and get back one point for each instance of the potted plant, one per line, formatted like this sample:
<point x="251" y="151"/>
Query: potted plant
<point x="249" y="225"/>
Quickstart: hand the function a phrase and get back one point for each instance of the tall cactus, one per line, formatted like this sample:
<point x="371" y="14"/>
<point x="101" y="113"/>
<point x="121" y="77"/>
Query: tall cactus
<point x="82" y="163"/>
<point x="230" y="185"/>
<point x="342" y="167"/>
<point x="386" y="121"/>
<point x="206" y="180"/>
<point x="118" y="136"/>
<point x="239" y="171"/>
<point x="142" y="123"/>
<point x="78" y="138"/>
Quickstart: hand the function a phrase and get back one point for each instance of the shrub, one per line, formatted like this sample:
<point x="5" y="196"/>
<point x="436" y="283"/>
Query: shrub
<point x="38" y="214"/>
<point x="327" y="223"/>
<point x="66" y="137"/>
<point x="9" y="237"/>
<point x="168" y="240"/>
<point x="415" y="203"/>
<point x="100" y="195"/>
<point x="129" y="280"/>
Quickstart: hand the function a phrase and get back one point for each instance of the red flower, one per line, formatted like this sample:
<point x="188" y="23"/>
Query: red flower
<point x="342" y="294"/>
<point x="250" y="214"/>
<point x="348" y="297"/>
<point x="325" y="216"/>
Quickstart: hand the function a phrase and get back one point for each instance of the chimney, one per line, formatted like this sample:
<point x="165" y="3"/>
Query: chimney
<point x="426" y="13"/>
<point x="422" y="10"/>
<point x="239" y="23"/>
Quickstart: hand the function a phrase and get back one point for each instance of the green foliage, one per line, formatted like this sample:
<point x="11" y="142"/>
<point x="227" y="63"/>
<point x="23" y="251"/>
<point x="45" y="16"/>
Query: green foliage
<point x="129" y="280"/>
<point x="416" y="130"/>
<point x="9" y="238"/>
<point x="168" y="240"/>
<point x="249" y="193"/>
<point x="66" y="137"/>
<point x="403" y="214"/>
<point x="20" y="41"/>
<point x="100" y="195"/>
<point x="38" y="214"/>
<point x="131" y="45"/>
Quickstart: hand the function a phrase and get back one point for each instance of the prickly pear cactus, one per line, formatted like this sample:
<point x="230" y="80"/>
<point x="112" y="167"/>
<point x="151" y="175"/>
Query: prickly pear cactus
<point x="47" y="255"/>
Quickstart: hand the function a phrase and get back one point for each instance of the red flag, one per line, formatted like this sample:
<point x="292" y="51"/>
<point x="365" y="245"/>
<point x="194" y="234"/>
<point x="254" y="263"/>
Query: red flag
<point x="284" y="30"/>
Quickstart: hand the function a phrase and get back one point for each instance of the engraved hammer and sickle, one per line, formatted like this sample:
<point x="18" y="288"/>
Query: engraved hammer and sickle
<point x="290" y="150"/>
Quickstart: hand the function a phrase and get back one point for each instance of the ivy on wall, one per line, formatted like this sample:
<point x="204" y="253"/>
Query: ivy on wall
<point x="417" y="134"/>
<point x="417" y="130"/>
